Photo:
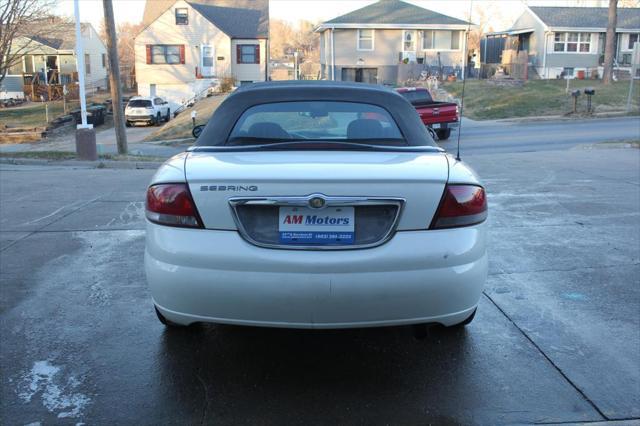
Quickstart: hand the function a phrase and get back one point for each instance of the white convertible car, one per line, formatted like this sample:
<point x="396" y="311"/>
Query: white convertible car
<point x="315" y="205"/>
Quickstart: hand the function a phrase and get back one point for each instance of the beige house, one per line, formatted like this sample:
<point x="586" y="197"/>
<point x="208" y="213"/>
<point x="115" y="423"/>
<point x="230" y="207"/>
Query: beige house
<point x="390" y="41"/>
<point x="566" y="41"/>
<point x="52" y="61"/>
<point x="188" y="46"/>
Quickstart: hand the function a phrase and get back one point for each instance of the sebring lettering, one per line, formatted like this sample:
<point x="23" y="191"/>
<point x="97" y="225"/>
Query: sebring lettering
<point x="235" y="188"/>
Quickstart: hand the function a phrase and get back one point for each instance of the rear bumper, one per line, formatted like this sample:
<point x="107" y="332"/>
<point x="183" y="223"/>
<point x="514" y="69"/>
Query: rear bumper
<point x="444" y="125"/>
<point x="145" y="118"/>
<point x="216" y="276"/>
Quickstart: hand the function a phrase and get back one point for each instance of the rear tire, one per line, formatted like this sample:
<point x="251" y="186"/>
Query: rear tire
<point x="165" y="321"/>
<point x="158" y="119"/>
<point x="443" y="134"/>
<point x="420" y="331"/>
<point x="168" y="117"/>
<point x="466" y="321"/>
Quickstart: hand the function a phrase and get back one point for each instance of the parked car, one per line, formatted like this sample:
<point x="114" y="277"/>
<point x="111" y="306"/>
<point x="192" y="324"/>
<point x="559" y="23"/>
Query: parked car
<point x="149" y="110"/>
<point x="439" y="116"/>
<point x="291" y="210"/>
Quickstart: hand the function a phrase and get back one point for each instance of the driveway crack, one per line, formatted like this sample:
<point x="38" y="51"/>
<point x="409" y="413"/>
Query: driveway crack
<point x="549" y="360"/>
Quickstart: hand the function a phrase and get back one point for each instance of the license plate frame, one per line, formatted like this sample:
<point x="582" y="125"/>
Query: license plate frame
<point x="329" y="226"/>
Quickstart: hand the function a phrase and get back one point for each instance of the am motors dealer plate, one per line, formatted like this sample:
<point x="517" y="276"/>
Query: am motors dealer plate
<point x="306" y="226"/>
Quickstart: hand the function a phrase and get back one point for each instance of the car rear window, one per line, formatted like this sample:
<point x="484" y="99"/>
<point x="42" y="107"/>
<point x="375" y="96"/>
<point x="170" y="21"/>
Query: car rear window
<point x="139" y="103"/>
<point x="316" y="121"/>
<point x="418" y="96"/>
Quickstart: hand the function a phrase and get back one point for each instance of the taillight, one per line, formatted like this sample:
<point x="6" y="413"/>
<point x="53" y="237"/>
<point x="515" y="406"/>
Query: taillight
<point x="171" y="204"/>
<point x="461" y="205"/>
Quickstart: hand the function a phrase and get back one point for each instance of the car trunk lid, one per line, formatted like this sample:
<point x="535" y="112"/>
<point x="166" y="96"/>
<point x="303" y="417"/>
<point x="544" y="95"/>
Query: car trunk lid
<point x="407" y="187"/>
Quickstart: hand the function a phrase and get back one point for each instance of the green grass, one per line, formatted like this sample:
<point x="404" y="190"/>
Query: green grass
<point x="486" y="101"/>
<point x="181" y="126"/>
<point x="45" y="155"/>
<point x="33" y="115"/>
<point x="69" y="155"/>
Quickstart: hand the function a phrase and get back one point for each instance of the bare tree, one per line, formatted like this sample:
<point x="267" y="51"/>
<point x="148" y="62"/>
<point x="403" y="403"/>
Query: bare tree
<point x="22" y="21"/>
<point x="300" y="37"/>
<point x="629" y="3"/>
<point x="609" y="48"/>
<point x="280" y="37"/>
<point x="127" y="32"/>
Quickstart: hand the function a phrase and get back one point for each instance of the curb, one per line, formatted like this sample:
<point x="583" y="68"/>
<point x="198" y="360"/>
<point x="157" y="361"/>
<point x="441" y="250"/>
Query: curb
<point x="596" y="116"/>
<point x="172" y="142"/>
<point x="100" y="164"/>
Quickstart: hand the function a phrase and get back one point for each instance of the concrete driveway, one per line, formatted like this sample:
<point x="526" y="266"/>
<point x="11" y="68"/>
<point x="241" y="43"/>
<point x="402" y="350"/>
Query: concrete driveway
<point x="477" y="137"/>
<point x="556" y="338"/>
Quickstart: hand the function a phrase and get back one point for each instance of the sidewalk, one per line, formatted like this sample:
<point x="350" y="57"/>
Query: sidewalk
<point x="106" y="143"/>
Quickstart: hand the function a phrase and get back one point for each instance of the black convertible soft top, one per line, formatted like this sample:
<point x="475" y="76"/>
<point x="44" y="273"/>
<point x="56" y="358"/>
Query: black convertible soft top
<point x="221" y="123"/>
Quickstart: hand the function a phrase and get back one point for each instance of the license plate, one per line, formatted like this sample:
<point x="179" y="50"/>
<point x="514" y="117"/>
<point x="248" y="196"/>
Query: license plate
<point x="306" y="226"/>
<point x="435" y="126"/>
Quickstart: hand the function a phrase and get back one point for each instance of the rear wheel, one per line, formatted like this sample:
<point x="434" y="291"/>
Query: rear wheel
<point x="420" y="331"/>
<point x="168" y="116"/>
<point x="165" y="321"/>
<point x="158" y="119"/>
<point x="465" y="322"/>
<point x="443" y="134"/>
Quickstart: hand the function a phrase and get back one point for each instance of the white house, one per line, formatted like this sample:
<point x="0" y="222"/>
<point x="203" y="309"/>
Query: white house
<point x="52" y="61"/>
<point x="187" y="46"/>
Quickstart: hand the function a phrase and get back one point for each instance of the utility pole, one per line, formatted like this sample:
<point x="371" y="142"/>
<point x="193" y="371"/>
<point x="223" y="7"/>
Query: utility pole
<point x="114" y="77"/>
<point x="609" y="47"/>
<point x="85" y="133"/>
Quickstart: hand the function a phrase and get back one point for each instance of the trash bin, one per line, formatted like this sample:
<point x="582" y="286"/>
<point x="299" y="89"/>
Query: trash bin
<point x="95" y="115"/>
<point x="581" y="75"/>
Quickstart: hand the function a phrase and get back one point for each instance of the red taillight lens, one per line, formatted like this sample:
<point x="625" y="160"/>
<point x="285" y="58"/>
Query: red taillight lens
<point x="171" y="204"/>
<point x="462" y="205"/>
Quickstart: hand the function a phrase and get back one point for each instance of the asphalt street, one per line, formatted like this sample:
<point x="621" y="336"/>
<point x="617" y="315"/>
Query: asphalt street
<point x="488" y="137"/>
<point x="503" y="136"/>
<point x="556" y="338"/>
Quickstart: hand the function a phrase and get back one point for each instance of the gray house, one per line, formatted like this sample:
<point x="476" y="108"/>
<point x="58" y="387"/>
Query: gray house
<point x="563" y="41"/>
<point x="372" y="44"/>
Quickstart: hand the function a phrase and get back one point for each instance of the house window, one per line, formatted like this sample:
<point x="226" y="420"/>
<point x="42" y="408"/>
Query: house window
<point x="572" y="42"/>
<point x="408" y="41"/>
<point x="365" y="39"/>
<point x="182" y="16"/>
<point x="428" y="38"/>
<point x="440" y="40"/>
<point x="165" y="54"/>
<point x="633" y="39"/>
<point x="248" y="54"/>
<point x="87" y="64"/>
<point x="16" y="68"/>
<point x="104" y="60"/>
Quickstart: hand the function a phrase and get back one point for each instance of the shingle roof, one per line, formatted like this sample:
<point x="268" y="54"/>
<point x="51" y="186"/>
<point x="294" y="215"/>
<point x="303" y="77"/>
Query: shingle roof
<point x="237" y="19"/>
<point x="587" y="17"/>
<point x="395" y="12"/>
<point x="65" y="37"/>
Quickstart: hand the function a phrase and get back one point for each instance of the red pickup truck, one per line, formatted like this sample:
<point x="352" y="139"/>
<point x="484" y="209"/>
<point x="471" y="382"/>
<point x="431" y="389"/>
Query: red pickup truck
<point x="439" y="116"/>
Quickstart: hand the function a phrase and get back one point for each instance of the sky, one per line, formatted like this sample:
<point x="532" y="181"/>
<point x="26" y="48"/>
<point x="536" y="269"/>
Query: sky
<point x="503" y="11"/>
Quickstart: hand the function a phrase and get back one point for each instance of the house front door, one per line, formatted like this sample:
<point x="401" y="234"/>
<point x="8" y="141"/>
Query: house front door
<point x="207" y="55"/>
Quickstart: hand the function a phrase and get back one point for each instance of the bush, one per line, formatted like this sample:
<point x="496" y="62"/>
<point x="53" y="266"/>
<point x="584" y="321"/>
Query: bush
<point x="226" y="84"/>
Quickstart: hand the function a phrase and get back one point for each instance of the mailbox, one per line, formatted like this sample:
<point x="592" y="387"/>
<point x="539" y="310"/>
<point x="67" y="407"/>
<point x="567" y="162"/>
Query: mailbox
<point x="589" y="91"/>
<point x="575" y="93"/>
